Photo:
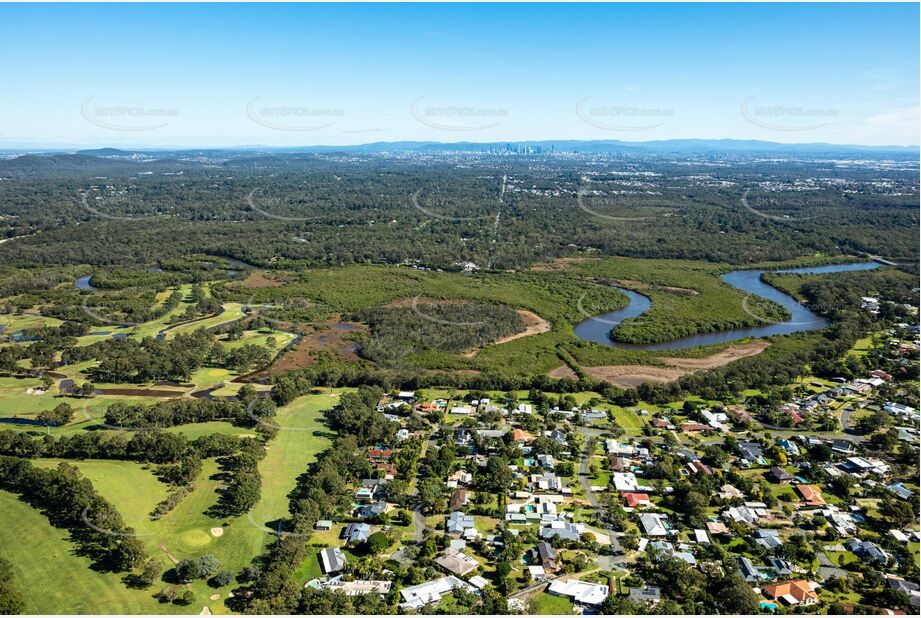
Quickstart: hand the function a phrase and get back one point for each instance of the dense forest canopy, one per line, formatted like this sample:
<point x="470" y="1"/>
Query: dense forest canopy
<point x="445" y="210"/>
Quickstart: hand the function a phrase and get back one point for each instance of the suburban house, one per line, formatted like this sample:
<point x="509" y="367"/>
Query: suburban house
<point x="564" y="530"/>
<point x="546" y="555"/>
<point x="751" y="452"/>
<point x="356" y="533"/>
<point x="366" y="511"/>
<point x="416" y="597"/>
<point x="811" y="494"/>
<point x="458" y="500"/>
<point x="795" y="592"/>
<point x="358" y="586"/>
<point x="779" y="475"/>
<point x="582" y="593"/>
<point x="332" y="560"/>
<point x="457" y="562"/>
<point x="635" y="500"/>
<point x="458" y="522"/>
<point x="654" y="524"/>
<point x="646" y="594"/>
<point x="867" y="550"/>
<point x="768" y="538"/>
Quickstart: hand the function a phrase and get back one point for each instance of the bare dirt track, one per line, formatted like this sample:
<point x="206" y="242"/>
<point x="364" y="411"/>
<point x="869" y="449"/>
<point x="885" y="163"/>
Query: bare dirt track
<point x="629" y="376"/>
<point x="730" y="354"/>
<point x="563" y="371"/>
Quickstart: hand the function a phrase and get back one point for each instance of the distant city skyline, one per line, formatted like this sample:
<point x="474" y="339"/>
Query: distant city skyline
<point x="205" y="75"/>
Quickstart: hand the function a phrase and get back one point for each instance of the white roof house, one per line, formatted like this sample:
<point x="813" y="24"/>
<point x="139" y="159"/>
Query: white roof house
<point x="701" y="537"/>
<point x="585" y="593"/>
<point x="415" y="597"/>
<point x="624" y="481"/>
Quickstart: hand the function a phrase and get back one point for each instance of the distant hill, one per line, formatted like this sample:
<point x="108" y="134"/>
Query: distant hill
<point x="685" y="146"/>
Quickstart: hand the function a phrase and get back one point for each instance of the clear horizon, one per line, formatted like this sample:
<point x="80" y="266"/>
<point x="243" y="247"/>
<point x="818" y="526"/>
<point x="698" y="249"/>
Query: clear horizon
<point x="283" y="76"/>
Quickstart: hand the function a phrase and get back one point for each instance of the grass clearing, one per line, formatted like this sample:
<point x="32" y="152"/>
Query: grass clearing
<point x="53" y="579"/>
<point x="301" y="436"/>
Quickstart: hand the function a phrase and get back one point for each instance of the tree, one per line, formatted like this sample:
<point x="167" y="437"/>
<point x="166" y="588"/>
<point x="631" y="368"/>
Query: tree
<point x="150" y="572"/>
<point x="735" y="596"/>
<point x="61" y="415"/>
<point x="376" y="543"/>
<point x="222" y="578"/>
<point x="430" y="494"/>
<point x="615" y="605"/>
<point x="11" y="601"/>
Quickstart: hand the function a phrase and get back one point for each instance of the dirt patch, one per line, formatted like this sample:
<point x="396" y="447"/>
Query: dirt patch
<point x="138" y="392"/>
<point x="216" y="532"/>
<point x="639" y="285"/>
<point x="563" y="263"/>
<point x="730" y="354"/>
<point x="533" y="325"/>
<point x="563" y="371"/>
<point x="261" y="279"/>
<point x="336" y="338"/>
<point x="630" y="376"/>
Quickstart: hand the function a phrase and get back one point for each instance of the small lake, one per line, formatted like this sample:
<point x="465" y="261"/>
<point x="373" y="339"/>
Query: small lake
<point x="83" y="283"/>
<point x="596" y="329"/>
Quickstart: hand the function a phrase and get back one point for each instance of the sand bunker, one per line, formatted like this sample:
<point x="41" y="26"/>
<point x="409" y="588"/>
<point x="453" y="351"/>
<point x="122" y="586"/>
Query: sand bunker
<point x="217" y="532"/>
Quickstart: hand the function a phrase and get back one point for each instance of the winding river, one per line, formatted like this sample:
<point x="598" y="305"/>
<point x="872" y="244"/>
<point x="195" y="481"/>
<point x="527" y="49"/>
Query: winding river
<point x="596" y="329"/>
<point x="83" y="283"/>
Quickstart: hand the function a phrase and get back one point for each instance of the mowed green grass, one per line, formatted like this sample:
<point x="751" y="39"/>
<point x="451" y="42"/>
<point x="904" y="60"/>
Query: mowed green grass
<point x="16" y="403"/>
<point x="130" y="486"/>
<point x="301" y="436"/>
<point x="52" y="579"/>
<point x="186" y="531"/>
<point x="546" y="604"/>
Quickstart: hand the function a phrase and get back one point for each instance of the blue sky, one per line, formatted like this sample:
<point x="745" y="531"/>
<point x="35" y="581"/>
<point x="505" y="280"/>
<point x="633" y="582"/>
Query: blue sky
<point x="209" y="75"/>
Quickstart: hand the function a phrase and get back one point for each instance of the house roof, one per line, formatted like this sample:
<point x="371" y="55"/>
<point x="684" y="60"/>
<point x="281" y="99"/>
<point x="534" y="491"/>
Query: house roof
<point x="585" y="593"/>
<point x="780" y="474"/>
<point x="653" y="524"/>
<point x="332" y="560"/>
<point x="458" y="500"/>
<point x="635" y="499"/>
<point x="431" y="591"/>
<point x="457" y="562"/>
<point x="811" y="494"/>
<point x="799" y="589"/>
<point x="646" y="594"/>
<point x="546" y="552"/>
